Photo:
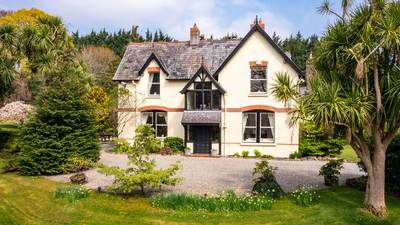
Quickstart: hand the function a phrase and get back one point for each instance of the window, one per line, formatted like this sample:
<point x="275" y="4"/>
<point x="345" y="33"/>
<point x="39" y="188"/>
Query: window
<point x="203" y="97"/>
<point x="258" y="79"/>
<point x="258" y="126"/>
<point x="154" y="84"/>
<point x="158" y="120"/>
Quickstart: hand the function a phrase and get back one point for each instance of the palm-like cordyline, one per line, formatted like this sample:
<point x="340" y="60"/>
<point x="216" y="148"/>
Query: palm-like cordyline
<point x="357" y="88"/>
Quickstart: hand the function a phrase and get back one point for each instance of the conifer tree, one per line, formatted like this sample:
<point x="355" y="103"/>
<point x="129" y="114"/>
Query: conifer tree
<point x="61" y="128"/>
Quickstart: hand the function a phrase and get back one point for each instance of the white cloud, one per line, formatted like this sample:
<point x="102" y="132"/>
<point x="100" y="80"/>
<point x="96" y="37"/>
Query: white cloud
<point x="172" y="16"/>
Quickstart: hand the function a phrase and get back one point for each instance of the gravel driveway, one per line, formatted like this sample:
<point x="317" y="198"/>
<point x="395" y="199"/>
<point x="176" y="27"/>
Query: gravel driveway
<point x="213" y="175"/>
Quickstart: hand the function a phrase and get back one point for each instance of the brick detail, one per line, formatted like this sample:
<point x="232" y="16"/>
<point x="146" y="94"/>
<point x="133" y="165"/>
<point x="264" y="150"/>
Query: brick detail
<point x="258" y="63"/>
<point x="258" y="107"/>
<point x="150" y="108"/>
<point x="153" y="69"/>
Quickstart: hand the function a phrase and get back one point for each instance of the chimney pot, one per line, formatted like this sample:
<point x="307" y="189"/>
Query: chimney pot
<point x="194" y="35"/>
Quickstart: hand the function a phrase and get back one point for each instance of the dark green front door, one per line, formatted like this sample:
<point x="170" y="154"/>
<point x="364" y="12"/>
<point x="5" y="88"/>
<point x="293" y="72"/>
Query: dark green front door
<point x="202" y="139"/>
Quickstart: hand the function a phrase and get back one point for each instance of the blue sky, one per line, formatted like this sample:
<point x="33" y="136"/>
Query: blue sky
<point x="214" y="17"/>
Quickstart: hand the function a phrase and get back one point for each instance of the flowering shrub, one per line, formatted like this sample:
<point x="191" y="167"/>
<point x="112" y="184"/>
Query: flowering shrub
<point x="227" y="201"/>
<point x="71" y="192"/>
<point x="304" y="196"/>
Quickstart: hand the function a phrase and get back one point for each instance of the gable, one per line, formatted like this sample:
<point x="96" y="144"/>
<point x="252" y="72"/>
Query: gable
<point x="256" y="29"/>
<point x="202" y="74"/>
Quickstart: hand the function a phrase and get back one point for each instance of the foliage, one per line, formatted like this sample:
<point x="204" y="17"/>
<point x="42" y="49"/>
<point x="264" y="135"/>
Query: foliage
<point x="23" y="17"/>
<point x="316" y="142"/>
<point x="71" y="192"/>
<point x="144" y="173"/>
<point x="295" y="155"/>
<point x="76" y="164"/>
<point x="118" y="41"/>
<point x="121" y="145"/>
<point x="61" y="128"/>
<point x="99" y="101"/>
<point x="176" y="143"/>
<point x="392" y="171"/>
<point x="265" y="182"/>
<point x="265" y="156"/>
<point x="9" y="134"/>
<point x="245" y="153"/>
<point x="298" y="46"/>
<point x="101" y="62"/>
<point x="34" y="196"/>
<point x="331" y="168"/>
<point x="37" y="50"/>
<point x="359" y="183"/>
<point x="236" y="154"/>
<point x="257" y="153"/>
<point x="225" y="202"/>
<point x="304" y="196"/>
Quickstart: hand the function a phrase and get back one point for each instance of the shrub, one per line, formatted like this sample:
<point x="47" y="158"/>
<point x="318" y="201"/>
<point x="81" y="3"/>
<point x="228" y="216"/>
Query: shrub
<point x="257" y="153"/>
<point x="295" y="155"/>
<point x="331" y="171"/>
<point x="392" y="169"/>
<point x="62" y="127"/>
<point x="176" y="143"/>
<point x="71" y="192"/>
<point x="265" y="156"/>
<point x="227" y="201"/>
<point x="359" y="183"/>
<point x="143" y="172"/>
<point x="304" y="196"/>
<point x="237" y="154"/>
<point x="99" y="101"/>
<point x="121" y="145"/>
<point x="9" y="134"/>
<point x="315" y="142"/>
<point x="265" y="182"/>
<point x="245" y="154"/>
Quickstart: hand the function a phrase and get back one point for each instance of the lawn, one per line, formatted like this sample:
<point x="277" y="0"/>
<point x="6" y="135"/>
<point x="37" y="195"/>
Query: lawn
<point x="30" y="200"/>
<point x="349" y="154"/>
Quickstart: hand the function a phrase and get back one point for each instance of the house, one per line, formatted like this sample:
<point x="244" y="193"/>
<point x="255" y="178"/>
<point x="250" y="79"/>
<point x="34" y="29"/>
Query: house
<point x="215" y="94"/>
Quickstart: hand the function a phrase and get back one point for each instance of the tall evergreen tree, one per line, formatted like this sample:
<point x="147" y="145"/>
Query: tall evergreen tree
<point x="61" y="128"/>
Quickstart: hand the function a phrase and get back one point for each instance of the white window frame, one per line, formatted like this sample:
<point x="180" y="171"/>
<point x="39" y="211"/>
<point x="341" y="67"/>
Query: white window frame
<point x="266" y="84"/>
<point x="267" y="140"/>
<point x="151" y="84"/>
<point x="249" y="127"/>
<point x="161" y="125"/>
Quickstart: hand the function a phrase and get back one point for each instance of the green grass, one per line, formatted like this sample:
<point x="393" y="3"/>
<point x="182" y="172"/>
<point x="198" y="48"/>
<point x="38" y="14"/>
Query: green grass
<point x="30" y="200"/>
<point x="349" y="154"/>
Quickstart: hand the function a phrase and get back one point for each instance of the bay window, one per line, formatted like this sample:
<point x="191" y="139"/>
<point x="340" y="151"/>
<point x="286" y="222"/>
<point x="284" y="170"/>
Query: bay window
<point x="258" y="126"/>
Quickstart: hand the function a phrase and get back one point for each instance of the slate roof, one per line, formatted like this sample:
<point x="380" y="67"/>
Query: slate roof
<point x="201" y="117"/>
<point x="180" y="60"/>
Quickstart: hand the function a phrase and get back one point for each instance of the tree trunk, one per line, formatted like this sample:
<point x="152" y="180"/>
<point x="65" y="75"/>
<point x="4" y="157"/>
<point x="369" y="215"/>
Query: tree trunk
<point x="374" y="201"/>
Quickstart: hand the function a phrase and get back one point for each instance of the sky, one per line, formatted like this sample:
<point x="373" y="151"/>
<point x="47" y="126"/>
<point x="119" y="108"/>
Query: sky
<point x="213" y="17"/>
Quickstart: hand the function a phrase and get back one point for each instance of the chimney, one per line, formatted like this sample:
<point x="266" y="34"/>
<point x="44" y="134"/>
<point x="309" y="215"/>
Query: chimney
<point x="258" y="22"/>
<point x="194" y="35"/>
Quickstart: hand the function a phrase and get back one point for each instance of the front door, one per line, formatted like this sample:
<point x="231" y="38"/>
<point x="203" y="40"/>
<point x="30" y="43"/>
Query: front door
<point x="202" y="139"/>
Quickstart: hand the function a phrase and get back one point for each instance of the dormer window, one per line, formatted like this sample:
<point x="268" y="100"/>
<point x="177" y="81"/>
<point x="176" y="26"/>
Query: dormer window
<point x="154" y="84"/>
<point x="258" y="77"/>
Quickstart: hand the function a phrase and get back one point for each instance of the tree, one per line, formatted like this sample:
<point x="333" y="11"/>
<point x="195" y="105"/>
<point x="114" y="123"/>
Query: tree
<point x="357" y="89"/>
<point x="99" y="102"/>
<point x="143" y="172"/>
<point x="101" y="63"/>
<point x="22" y="17"/>
<point x="61" y="128"/>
